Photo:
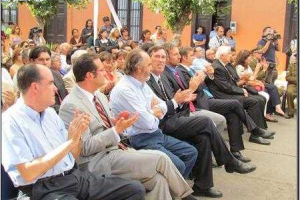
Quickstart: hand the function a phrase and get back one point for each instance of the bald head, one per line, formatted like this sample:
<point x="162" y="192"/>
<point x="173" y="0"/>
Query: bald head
<point x="65" y="48"/>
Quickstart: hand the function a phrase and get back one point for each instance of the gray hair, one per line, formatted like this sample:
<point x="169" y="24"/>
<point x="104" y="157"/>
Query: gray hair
<point x="222" y="50"/>
<point x="133" y="60"/>
<point x="54" y="56"/>
<point x="76" y="55"/>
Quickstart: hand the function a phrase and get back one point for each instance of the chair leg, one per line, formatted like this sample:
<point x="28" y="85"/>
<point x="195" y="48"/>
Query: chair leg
<point x="283" y="103"/>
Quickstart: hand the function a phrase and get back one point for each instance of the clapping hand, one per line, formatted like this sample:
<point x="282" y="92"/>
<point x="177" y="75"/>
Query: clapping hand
<point x="78" y="125"/>
<point x="124" y="120"/>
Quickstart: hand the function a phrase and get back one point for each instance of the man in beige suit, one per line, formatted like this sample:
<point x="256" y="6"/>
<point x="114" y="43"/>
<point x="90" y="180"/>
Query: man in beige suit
<point x="69" y="78"/>
<point x="100" y="152"/>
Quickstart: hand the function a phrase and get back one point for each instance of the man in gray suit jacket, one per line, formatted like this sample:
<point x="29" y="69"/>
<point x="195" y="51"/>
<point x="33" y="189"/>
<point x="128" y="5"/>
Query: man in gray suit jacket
<point x="100" y="152"/>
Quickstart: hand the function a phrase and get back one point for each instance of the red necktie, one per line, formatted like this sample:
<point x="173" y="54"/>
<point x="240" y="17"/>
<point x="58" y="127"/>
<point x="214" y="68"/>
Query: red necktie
<point x="178" y="80"/>
<point x="102" y="113"/>
<point x="105" y="119"/>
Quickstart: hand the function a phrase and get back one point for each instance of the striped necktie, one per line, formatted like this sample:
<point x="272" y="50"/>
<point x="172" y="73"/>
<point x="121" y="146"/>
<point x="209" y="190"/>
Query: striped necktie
<point x="105" y="119"/>
<point x="102" y="112"/>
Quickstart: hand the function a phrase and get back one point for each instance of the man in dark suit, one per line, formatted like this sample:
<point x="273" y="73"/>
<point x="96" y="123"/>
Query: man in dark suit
<point x="198" y="130"/>
<point x="42" y="55"/>
<point x="231" y="108"/>
<point x="224" y="86"/>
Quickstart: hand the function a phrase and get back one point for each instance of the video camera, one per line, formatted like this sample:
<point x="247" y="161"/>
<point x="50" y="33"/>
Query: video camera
<point x="272" y="36"/>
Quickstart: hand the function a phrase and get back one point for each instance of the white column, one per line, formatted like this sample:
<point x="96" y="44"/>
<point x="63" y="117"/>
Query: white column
<point x="96" y="13"/>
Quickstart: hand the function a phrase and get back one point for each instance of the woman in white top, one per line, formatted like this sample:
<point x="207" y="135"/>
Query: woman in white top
<point x="270" y="92"/>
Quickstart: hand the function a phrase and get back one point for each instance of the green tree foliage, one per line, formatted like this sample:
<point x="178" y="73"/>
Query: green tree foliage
<point x="178" y="13"/>
<point x="45" y="10"/>
<point x="295" y="2"/>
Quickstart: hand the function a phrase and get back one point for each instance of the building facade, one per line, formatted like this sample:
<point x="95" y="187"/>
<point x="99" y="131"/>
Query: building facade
<point x="250" y="17"/>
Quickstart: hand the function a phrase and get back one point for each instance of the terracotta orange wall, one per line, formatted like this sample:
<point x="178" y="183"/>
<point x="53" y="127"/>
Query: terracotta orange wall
<point x="152" y="19"/>
<point x="77" y="18"/>
<point x="252" y="16"/>
<point x="25" y="20"/>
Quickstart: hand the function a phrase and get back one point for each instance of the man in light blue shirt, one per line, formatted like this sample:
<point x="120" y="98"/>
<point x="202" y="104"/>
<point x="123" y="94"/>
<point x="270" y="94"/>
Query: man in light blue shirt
<point x="39" y="153"/>
<point x="199" y="63"/>
<point x="134" y="95"/>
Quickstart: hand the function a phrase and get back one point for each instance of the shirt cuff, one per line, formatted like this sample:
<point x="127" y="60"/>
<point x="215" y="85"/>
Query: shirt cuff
<point x="116" y="134"/>
<point x="175" y="103"/>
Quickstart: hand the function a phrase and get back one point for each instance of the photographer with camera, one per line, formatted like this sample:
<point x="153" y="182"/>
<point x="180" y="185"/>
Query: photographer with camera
<point x="269" y="45"/>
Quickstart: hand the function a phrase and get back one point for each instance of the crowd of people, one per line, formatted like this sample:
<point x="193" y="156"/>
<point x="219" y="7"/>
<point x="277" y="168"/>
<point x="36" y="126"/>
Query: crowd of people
<point x="124" y="119"/>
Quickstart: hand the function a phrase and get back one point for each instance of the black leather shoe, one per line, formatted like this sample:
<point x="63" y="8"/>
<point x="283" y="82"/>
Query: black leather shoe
<point x="190" y="197"/>
<point x="208" y="193"/>
<point x="239" y="167"/>
<point x="263" y="133"/>
<point x="238" y="155"/>
<point x="259" y="140"/>
<point x="267" y="134"/>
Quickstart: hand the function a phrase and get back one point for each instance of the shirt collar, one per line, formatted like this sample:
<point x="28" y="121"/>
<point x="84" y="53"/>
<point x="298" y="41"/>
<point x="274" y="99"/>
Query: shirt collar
<point x="33" y="114"/>
<point x="156" y="78"/>
<point x="173" y="69"/>
<point x="134" y="81"/>
<point x="186" y="67"/>
<point x="222" y="63"/>
<point x="89" y="95"/>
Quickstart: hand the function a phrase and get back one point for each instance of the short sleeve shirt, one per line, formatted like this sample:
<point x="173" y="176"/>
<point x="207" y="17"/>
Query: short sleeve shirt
<point x="270" y="53"/>
<point x="28" y="135"/>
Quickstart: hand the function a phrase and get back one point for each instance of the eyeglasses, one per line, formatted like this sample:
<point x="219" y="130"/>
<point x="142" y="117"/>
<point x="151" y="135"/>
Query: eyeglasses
<point x="100" y="70"/>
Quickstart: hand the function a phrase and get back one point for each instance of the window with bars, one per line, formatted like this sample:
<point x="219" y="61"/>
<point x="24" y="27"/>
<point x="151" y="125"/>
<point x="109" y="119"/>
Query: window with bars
<point x="130" y="14"/>
<point x="9" y="14"/>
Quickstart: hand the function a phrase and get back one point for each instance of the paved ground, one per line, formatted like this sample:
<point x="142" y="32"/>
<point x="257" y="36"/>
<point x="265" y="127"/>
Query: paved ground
<point x="276" y="175"/>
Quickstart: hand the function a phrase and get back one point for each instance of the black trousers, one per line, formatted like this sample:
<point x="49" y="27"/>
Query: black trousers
<point x="85" y="185"/>
<point x="201" y="132"/>
<point x="254" y="105"/>
<point x="274" y="100"/>
<point x="235" y="116"/>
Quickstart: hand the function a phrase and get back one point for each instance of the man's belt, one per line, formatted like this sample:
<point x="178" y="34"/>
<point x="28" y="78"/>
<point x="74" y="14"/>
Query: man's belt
<point x="29" y="187"/>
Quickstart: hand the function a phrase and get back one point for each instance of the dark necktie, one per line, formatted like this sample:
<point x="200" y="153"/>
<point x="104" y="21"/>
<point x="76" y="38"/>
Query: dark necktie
<point x="59" y="97"/>
<point x="162" y="89"/>
<point x="105" y="119"/>
<point x="102" y="113"/>
<point x="178" y="80"/>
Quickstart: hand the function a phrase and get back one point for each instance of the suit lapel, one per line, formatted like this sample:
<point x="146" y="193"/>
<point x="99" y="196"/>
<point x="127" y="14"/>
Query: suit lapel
<point x="167" y="87"/>
<point x="179" y="70"/>
<point x="89" y="106"/>
<point x="155" y="87"/>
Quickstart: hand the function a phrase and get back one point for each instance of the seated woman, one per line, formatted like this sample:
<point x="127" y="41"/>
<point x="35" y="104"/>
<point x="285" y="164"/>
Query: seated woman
<point x="245" y="72"/>
<point x="145" y="38"/>
<point x="125" y="37"/>
<point x="114" y="36"/>
<point x="111" y="77"/>
<point x="75" y="41"/>
<point x="120" y="62"/>
<point x="17" y="62"/>
<point x="102" y="40"/>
